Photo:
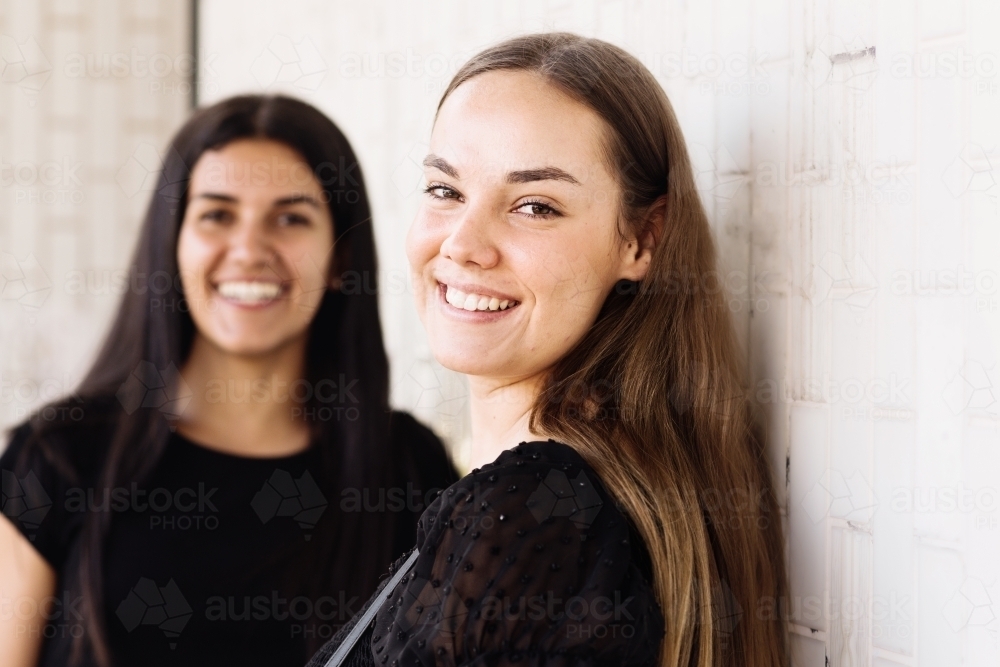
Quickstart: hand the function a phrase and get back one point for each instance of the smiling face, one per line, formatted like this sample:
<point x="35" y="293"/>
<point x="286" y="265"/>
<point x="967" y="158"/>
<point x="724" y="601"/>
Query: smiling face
<point x="516" y="244"/>
<point x="254" y="247"/>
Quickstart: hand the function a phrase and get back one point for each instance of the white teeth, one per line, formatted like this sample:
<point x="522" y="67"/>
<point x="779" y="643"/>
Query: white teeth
<point x="472" y="302"/>
<point x="454" y="297"/>
<point x="249" y="292"/>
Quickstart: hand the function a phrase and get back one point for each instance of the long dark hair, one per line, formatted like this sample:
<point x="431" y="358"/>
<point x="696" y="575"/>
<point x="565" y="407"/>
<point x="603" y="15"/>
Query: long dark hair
<point x="153" y="330"/>
<point x="654" y="395"/>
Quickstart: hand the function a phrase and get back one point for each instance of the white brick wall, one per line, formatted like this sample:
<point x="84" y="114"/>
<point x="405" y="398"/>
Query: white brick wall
<point x="85" y="86"/>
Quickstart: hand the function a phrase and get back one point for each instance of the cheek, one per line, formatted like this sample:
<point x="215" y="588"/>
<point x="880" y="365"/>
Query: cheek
<point x="422" y="245"/>
<point x="193" y="257"/>
<point x="309" y="262"/>
<point x="566" y="275"/>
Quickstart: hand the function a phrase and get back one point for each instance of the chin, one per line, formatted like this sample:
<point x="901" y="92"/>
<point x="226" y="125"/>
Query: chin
<point x="247" y="347"/>
<point x="467" y="362"/>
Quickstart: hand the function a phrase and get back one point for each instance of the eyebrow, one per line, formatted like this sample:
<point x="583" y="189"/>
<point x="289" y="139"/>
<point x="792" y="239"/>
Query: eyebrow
<point x="543" y="174"/>
<point x="297" y="199"/>
<point x="284" y="201"/>
<point x="440" y="164"/>
<point x="214" y="196"/>
<point x="513" y="177"/>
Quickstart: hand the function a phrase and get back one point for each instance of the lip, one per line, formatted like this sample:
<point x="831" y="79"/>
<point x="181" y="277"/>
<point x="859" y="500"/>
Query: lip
<point x="473" y="315"/>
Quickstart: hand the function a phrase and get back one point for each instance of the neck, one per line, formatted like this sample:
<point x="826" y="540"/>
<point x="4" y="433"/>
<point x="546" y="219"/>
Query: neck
<point x="242" y="404"/>
<point x="500" y="408"/>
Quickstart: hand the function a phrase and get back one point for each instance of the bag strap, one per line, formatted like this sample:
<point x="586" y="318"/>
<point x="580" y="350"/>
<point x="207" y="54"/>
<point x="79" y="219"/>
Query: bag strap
<point x="359" y="628"/>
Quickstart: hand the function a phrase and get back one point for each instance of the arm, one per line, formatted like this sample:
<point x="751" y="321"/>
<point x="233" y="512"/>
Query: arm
<point x="27" y="583"/>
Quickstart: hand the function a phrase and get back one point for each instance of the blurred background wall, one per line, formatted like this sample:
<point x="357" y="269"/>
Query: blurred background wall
<point x="847" y="154"/>
<point x="90" y="91"/>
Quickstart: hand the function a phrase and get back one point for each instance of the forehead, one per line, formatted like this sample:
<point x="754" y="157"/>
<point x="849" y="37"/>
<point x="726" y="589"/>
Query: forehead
<point x="508" y="120"/>
<point x="262" y="165"/>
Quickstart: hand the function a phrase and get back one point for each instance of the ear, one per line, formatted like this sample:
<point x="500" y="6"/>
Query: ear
<point x="638" y="250"/>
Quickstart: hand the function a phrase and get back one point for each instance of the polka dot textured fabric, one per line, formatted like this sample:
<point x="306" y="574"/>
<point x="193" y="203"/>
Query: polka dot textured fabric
<point x="526" y="561"/>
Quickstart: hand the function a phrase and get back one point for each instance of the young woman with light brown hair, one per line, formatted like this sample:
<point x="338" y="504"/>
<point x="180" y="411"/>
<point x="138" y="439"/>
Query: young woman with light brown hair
<point x="560" y="261"/>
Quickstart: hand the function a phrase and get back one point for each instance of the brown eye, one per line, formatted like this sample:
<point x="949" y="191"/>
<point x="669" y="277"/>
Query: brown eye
<point x="215" y="215"/>
<point x="536" y="209"/>
<point x="291" y="219"/>
<point x="438" y="191"/>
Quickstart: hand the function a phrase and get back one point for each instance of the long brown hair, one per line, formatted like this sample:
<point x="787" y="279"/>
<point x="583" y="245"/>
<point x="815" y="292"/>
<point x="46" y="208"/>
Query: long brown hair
<point x="654" y="395"/>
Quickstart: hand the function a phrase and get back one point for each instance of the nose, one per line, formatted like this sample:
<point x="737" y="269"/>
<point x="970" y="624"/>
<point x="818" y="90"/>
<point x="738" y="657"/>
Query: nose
<point x="469" y="241"/>
<point x="250" y="244"/>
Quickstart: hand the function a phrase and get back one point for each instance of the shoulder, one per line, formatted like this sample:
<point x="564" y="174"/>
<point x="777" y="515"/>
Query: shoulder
<point x="64" y="445"/>
<point x="41" y="470"/>
<point x="542" y="481"/>
<point x="527" y="556"/>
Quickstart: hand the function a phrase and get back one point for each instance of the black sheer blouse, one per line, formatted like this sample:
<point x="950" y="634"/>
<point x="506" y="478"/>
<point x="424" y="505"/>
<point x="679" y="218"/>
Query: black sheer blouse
<point x="526" y="561"/>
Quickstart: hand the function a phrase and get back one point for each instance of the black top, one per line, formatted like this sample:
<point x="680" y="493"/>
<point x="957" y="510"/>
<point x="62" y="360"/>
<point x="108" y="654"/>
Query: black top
<point x="527" y="561"/>
<point x="196" y="557"/>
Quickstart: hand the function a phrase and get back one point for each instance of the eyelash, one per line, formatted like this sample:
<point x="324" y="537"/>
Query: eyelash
<point x="294" y="218"/>
<point x="215" y="215"/>
<point x="432" y="189"/>
<point x="219" y="215"/>
<point x="552" y="213"/>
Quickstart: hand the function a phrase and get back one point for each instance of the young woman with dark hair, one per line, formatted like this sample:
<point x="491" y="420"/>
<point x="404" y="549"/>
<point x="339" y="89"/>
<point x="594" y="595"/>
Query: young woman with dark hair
<point x="622" y="512"/>
<point x="228" y="481"/>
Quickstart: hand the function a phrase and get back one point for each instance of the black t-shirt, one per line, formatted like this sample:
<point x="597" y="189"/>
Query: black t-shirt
<point x="525" y="562"/>
<point x="196" y="557"/>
